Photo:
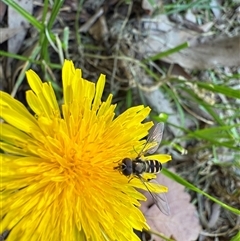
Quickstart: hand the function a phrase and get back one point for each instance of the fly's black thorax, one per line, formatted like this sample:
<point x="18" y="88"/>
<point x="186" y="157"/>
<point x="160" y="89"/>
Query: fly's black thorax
<point x="139" y="166"/>
<point x="153" y="166"/>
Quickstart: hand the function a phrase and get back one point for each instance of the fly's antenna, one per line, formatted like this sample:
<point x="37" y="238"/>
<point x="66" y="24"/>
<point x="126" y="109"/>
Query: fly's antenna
<point x="119" y="166"/>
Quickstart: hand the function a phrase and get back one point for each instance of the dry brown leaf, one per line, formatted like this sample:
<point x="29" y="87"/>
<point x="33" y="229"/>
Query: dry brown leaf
<point x="15" y="20"/>
<point x="213" y="53"/>
<point x="206" y="27"/>
<point x="99" y="30"/>
<point x="183" y="223"/>
<point x="3" y="8"/>
<point x="163" y="35"/>
<point x="8" y="33"/>
<point x="216" y="8"/>
<point x="190" y="16"/>
<point x="86" y="26"/>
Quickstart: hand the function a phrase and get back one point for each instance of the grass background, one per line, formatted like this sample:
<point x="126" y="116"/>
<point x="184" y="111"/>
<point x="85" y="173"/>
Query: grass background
<point x="207" y="173"/>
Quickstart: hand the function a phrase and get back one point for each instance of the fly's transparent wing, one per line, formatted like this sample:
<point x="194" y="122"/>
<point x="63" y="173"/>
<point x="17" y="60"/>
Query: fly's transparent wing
<point x="160" y="199"/>
<point x="155" y="135"/>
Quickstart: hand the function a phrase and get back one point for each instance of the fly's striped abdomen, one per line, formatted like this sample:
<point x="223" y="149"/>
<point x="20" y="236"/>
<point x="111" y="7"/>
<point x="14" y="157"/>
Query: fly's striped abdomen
<point x="153" y="166"/>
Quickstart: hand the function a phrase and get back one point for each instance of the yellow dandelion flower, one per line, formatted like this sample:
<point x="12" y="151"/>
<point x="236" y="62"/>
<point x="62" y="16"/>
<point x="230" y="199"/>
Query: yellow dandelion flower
<point x="58" y="180"/>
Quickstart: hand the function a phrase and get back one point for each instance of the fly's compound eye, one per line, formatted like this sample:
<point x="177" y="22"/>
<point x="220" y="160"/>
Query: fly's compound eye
<point x="127" y="167"/>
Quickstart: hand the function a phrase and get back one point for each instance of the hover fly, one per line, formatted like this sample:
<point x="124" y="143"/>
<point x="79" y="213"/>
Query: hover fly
<point x="138" y="166"/>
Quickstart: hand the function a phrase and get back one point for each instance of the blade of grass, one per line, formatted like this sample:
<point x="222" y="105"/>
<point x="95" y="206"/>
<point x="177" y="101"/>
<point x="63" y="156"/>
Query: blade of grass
<point x="16" y="56"/>
<point x="24" y="58"/>
<point x="129" y="100"/>
<point x="228" y="144"/>
<point x="220" y="89"/>
<point x="168" y="52"/>
<point x="190" y="186"/>
<point x="217" y="131"/>
<point x="179" y="7"/>
<point x="55" y="11"/>
<point x="175" y="98"/>
<point x="46" y="35"/>
<point x="236" y="237"/>
<point x="204" y="105"/>
<point x="27" y="65"/>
